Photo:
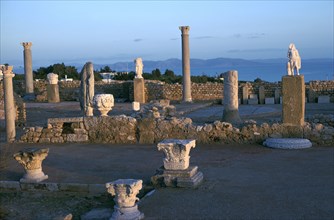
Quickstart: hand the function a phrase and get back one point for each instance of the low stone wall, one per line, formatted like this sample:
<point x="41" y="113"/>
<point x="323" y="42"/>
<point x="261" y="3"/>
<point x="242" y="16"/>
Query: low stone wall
<point x="320" y="88"/>
<point x="154" y="90"/>
<point x="128" y="130"/>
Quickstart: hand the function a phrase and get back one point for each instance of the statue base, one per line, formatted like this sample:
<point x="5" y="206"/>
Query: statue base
<point x="126" y="213"/>
<point x="189" y="178"/>
<point x="34" y="176"/>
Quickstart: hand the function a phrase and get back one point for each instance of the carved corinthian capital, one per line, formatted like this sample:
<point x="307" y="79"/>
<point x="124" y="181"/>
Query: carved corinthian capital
<point x="26" y="45"/>
<point x="31" y="160"/>
<point x="184" y="30"/>
<point x="176" y="153"/>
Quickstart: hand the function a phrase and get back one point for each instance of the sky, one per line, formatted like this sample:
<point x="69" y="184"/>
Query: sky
<point x="112" y="31"/>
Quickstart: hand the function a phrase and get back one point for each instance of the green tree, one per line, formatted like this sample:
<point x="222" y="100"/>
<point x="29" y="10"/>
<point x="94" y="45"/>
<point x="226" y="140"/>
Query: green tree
<point x="106" y="69"/>
<point x="60" y="69"/>
<point x="122" y="76"/>
<point x="169" y="73"/>
<point x="156" y="74"/>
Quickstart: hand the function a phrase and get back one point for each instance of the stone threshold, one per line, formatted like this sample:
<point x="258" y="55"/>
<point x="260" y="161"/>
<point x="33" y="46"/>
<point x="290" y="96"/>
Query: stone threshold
<point x="16" y="186"/>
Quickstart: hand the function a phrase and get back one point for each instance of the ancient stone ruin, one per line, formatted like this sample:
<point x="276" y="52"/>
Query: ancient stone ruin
<point x="31" y="159"/>
<point x="87" y="89"/>
<point x="125" y="196"/>
<point x="176" y="171"/>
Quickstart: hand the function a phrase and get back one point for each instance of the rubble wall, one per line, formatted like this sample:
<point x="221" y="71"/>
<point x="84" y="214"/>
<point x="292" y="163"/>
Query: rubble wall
<point x="69" y="91"/>
<point x="128" y="130"/>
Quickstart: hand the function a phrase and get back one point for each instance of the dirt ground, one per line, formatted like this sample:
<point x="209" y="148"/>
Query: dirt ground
<point x="240" y="182"/>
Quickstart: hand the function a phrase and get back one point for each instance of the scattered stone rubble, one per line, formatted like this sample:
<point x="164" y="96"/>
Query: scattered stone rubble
<point x="156" y="109"/>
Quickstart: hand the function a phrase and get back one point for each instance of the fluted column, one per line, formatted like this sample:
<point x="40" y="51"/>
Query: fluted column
<point x="186" y="64"/>
<point x="28" y="70"/>
<point x="10" y="110"/>
<point x="231" y="101"/>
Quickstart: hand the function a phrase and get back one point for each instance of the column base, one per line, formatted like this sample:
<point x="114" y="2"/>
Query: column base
<point x="189" y="178"/>
<point x="126" y="213"/>
<point x="231" y="116"/>
<point x="34" y="176"/>
<point x="187" y="101"/>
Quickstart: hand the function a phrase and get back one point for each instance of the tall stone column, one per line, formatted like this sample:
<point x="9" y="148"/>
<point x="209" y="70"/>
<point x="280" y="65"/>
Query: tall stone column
<point x="28" y="71"/>
<point x="231" y="102"/>
<point x="10" y="110"/>
<point x="186" y="95"/>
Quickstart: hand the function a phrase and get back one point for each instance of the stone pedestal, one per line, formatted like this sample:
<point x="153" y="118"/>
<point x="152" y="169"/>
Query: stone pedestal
<point x="277" y="96"/>
<point x="261" y="95"/>
<point x="28" y="71"/>
<point x="139" y="90"/>
<point x="125" y="192"/>
<point x="269" y="101"/>
<point x="245" y="95"/>
<point x="176" y="171"/>
<point x="31" y="160"/>
<point x="186" y="92"/>
<point x="103" y="103"/>
<point x="287" y="143"/>
<point x="293" y="91"/>
<point x="231" y="103"/>
<point x="10" y="110"/>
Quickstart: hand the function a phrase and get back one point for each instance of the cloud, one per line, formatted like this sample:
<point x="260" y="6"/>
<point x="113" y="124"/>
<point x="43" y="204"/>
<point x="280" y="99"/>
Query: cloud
<point x="138" y="39"/>
<point x="264" y="50"/>
<point x="256" y="35"/>
<point x="249" y="35"/>
<point x="203" y="37"/>
<point x="174" y="38"/>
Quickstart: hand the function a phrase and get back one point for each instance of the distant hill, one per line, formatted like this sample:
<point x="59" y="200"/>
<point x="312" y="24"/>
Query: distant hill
<point x="267" y="69"/>
<point x="176" y="64"/>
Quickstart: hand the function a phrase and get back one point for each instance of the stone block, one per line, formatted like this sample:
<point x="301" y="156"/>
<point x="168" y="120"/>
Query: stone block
<point x="253" y="101"/>
<point x="189" y="178"/>
<point x="77" y="138"/>
<point x="74" y="187"/>
<point x="293" y="109"/>
<point x="135" y="106"/>
<point x="139" y="90"/>
<point x="58" y="139"/>
<point x="324" y="99"/>
<point x="269" y="101"/>
<point x="10" y="185"/>
<point x="44" y="140"/>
